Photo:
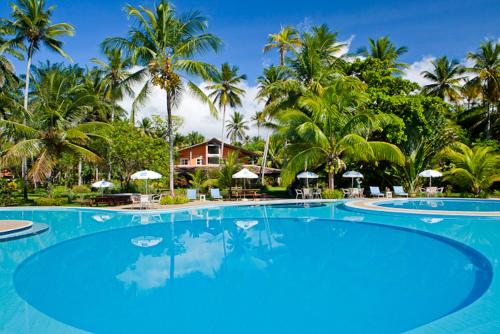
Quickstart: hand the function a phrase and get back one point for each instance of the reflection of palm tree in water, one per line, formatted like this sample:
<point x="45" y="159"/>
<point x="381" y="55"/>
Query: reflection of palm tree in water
<point x="238" y="241"/>
<point x="175" y="247"/>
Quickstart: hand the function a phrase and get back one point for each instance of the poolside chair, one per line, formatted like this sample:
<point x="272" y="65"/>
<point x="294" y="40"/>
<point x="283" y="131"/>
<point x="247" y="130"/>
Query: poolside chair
<point x="215" y="194"/>
<point x="191" y="194"/>
<point x="346" y="192"/>
<point x="439" y="191"/>
<point x="299" y="193"/>
<point x="145" y="201"/>
<point x="399" y="191"/>
<point x="375" y="192"/>
<point x="317" y="193"/>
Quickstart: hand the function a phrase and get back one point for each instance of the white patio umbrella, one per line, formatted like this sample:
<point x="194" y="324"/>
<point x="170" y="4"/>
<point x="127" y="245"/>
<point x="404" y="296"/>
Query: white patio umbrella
<point x="245" y="174"/>
<point x="430" y="173"/>
<point x="102" y="184"/>
<point x="353" y="175"/>
<point x="146" y="175"/>
<point x="307" y="175"/>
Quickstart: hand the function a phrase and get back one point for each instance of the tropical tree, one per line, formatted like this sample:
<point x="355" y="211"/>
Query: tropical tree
<point x="329" y="128"/>
<point x="116" y="78"/>
<point x="165" y="44"/>
<point x="475" y="168"/>
<point x="446" y="79"/>
<point x="8" y="48"/>
<point x="487" y="70"/>
<point x="237" y="127"/>
<point x="225" y="91"/>
<point x="287" y="39"/>
<point x="31" y="26"/>
<point x="383" y="49"/>
<point x="58" y="128"/>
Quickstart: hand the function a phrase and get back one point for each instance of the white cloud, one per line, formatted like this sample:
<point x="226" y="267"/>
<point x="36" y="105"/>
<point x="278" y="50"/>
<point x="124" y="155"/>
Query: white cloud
<point x="195" y="114"/>
<point x="413" y="72"/>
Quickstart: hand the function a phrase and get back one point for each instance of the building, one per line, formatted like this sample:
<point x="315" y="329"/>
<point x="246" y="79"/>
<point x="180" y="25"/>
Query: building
<point x="207" y="155"/>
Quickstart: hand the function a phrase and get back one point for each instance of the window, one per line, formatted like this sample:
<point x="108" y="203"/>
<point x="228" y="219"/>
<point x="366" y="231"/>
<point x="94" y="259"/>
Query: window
<point x="213" y="160"/>
<point x="213" y="149"/>
<point x="199" y="161"/>
<point x="184" y="161"/>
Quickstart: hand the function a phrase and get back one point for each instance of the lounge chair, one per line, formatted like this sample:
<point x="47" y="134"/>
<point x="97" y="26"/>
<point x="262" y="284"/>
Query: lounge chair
<point x="399" y="191"/>
<point x="375" y="192"/>
<point x="215" y="194"/>
<point x="191" y="194"/>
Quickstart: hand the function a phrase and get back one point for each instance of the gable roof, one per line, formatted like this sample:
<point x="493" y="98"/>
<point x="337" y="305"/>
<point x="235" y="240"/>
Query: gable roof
<point x="217" y="141"/>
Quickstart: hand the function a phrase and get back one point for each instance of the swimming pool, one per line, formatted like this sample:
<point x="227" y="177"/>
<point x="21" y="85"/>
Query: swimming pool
<point x="281" y="268"/>
<point x="444" y="204"/>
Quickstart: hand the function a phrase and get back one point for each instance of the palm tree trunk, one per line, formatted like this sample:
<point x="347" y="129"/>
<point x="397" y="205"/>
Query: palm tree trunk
<point x="80" y="163"/>
<point x="264" y="159"/>
<point x="331" y="182"/>
<point x="24" y="164"/>
<point x="488" y="120"/>
<point x="282" y="56"/>
<point x="171" y="145"/>
<point x="223" y="134"/>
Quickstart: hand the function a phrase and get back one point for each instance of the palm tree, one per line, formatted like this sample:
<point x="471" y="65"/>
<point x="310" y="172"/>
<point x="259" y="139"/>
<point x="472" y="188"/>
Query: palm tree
<point x="446" y="77"/>
<point x="385" y="50"/>
<point x="285" y="40"/>
<point x="237" y="127"/>
<point x="7" y="75"/>
<point x="146" y="126"/>
<point x="487" y="70"/>
<point x="32" y="25"/>
<point x="226" y="92"/>
<point x="165" y="45"/>
<point x="59" y="127"/>
<point x="476" y="168"/>
<point x="259" y="119"/>
<point x="116" y="77"/>
<point x="328" y="128"/>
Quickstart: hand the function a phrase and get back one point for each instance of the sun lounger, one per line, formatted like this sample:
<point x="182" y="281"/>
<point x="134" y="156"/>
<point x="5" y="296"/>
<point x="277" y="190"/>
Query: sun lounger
<point x="375" y="192"/>
<point x="399" y="191"/>
<point x="191" y="194"/>
<point x="215" y="194"/>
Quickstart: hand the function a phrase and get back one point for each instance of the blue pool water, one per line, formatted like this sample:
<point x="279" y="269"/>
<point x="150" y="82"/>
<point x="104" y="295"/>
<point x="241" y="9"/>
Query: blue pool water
<point x="281" y="268"/>
<point x="444" y="204"/>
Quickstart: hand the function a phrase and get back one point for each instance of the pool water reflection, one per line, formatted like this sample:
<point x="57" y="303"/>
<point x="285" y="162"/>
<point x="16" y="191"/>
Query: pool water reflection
<point x="246" y="275"/>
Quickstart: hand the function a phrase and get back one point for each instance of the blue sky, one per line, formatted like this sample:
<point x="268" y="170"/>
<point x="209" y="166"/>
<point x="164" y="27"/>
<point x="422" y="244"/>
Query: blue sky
<point x="427" y="28"/>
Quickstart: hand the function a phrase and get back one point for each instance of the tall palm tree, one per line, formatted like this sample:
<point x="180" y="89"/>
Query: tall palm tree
<point x="383" y="49"/>
<point x="116" y="77"/>
<point x="8" y="48"/>
<point x="165" y="44"/>
<point x="487" y="70"/>
<point x="476" y="168"/>
<point x="237" y="127"/>
<point x="446" y="77"/>
<point x="259" y="119"/>
<point x="32" y="26"/>
<point x="59" y="127"/>
<point x="225" y="91"/>
<point x="328" y="128"/>
<point x="285" y="40"/>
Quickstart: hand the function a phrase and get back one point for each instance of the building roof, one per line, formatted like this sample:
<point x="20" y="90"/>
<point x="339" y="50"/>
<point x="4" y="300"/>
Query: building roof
<point x="215" y="140"/>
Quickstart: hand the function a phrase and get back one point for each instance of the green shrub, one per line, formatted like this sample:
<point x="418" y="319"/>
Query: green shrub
<point x="47" y="201"/>
<point x="332" y="194"/>
<point x="81" y="190"/>
<point x="59" y="192"/>
<point x="173" y="200"/>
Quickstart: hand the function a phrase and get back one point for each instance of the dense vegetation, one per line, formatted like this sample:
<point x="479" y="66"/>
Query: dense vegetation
<point x="62" y="125"/>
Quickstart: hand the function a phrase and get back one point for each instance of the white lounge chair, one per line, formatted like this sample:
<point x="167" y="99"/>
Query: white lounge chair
<point x="191" y="194"/>
<point x="375" y="192"/>
<point x="215" y="194"/>
<point x="399" y="191"/>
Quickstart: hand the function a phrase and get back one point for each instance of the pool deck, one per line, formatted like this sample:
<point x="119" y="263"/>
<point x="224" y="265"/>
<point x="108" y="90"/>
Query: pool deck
<point x="11" y="226"/>
<point x="371" y="205"/>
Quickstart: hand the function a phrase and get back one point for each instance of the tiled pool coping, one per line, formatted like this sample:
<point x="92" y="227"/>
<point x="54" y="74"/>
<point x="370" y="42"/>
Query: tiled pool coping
<point x="371" y="205"/>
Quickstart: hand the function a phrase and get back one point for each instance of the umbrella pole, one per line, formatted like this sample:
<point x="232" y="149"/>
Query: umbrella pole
<point x="430" y="181"/>
<point x="352" y="182"/>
